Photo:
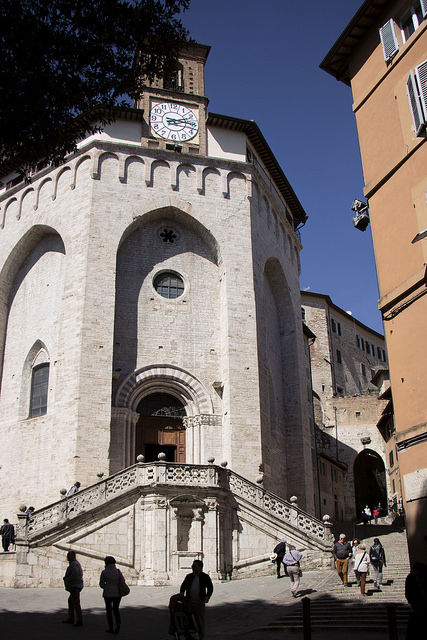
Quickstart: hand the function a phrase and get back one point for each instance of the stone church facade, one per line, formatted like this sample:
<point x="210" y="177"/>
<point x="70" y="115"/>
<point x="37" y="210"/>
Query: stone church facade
<point x="151" y="304"/>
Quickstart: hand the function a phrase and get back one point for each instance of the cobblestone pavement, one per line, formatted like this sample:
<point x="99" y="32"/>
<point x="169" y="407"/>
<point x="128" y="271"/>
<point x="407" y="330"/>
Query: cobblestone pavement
<point x="239" y="609"/>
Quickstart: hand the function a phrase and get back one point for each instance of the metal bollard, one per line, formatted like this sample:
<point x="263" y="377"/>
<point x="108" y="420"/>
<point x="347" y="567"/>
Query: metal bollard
<point x="306" y="618"/>
<point x="392" y="623"/>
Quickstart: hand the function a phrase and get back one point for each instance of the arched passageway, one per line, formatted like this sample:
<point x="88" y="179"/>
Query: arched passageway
<point x="369" y="480"/>
<point x="160" y="428"/>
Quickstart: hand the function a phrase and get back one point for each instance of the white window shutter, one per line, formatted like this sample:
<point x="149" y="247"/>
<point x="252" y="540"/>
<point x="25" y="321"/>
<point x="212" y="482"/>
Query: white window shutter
<point x="424" y="7"/>
<point x="415" y="104"/>
<point x="421" y="74"/>
<point x="389" y="40"/>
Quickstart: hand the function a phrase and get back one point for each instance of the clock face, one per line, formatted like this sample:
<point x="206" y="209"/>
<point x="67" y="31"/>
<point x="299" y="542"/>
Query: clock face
<point x="173" y="121"/>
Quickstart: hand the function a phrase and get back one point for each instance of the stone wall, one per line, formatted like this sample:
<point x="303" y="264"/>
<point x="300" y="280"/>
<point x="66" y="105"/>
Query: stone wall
<point x="80" y="248"/>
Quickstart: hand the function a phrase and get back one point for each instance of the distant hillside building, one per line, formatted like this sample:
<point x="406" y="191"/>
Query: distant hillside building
<point x="345" y="356"/>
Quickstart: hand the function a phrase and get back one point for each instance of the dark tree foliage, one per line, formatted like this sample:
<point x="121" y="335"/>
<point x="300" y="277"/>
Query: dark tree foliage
<point x="62" y="58"/>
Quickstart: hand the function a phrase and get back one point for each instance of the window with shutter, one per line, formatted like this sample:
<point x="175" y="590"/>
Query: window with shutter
<point x="389" y="40"/>
<point x="416" y="87"/>
<point x="421" y="73"/>
<point x="413" y="18"/>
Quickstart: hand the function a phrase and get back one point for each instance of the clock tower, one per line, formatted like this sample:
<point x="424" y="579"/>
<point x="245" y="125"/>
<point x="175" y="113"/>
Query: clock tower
<point x="175" y="106"/>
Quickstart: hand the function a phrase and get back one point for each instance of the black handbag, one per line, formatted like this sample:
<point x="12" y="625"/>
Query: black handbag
<point x="123" y="588"/>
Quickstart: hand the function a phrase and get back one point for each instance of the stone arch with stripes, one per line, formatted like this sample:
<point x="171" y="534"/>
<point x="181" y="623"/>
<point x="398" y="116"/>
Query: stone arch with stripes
<point x="165" y="378"/>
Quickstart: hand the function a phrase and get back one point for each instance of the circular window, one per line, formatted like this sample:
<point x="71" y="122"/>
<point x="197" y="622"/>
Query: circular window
<point x="169" y="285"/>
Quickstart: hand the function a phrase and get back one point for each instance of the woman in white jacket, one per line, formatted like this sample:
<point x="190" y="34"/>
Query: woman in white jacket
<point x="361" y="565"/>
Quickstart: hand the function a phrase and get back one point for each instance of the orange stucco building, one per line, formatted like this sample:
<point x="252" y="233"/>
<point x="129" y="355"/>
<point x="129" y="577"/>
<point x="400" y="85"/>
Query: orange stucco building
<point x="382" y="55"/>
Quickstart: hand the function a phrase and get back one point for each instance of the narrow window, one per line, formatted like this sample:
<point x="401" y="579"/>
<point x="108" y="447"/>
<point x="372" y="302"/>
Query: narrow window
<point x="391" y="459"/>
<point x="413" y="18"/>
<point x="339" y="360"/>
<point x="363" y="370"/>
<point x="334" y="326"/>
<point x="39" y="388"/>
<point x="358" y="341"/>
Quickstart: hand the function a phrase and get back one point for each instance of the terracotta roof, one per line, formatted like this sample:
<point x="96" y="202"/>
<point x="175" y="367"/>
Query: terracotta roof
<point x="336" y="61"/>
<point x="332" y="305"/>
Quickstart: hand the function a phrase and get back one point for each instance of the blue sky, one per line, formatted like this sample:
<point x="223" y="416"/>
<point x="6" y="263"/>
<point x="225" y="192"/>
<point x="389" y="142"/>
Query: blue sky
<point x="264" y="66"/>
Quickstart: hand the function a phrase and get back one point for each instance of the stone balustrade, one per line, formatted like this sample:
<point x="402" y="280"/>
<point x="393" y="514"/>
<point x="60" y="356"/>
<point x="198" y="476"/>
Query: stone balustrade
<point x="143" y="475"/>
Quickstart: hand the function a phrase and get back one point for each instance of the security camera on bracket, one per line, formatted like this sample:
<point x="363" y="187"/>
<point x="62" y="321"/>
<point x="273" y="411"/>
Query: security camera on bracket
<point x="361" y="219"/>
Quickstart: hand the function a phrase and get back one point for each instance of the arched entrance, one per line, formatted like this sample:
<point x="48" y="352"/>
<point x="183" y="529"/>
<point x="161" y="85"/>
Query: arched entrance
<point x="369" y="480"/>
<point x="160" y="428"/>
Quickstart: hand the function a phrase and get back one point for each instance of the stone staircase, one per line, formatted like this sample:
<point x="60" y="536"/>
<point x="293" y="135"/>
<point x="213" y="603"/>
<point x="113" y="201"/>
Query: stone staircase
<point x="155" y="518"/>
<point x="335" y="607"/>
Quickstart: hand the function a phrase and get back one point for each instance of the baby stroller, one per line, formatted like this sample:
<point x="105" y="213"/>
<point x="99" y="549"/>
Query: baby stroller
<point x="183" y="624"/>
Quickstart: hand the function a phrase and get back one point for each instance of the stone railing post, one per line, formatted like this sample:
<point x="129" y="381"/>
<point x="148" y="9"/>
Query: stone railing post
<point x="102" y="488"/>
<point x="21" y="534"/>
<point x="327" y="525"/>
<point x="293" y="512"/>
<point x="161" y="468"/>
<point x="21" y="537"/>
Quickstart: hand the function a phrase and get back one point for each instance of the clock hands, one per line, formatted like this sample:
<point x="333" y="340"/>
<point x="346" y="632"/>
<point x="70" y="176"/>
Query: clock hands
<point x="183" y="121"/>
<point x="173" y="121"/>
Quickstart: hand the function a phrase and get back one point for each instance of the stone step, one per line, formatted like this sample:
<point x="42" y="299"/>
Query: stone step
<point x="343" y="615"/>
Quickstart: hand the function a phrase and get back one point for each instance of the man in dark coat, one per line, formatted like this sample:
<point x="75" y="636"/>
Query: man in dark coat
<point x="7" y="532"/>
<point x="280" y="550"/>
<point x="197" y="588"/>
<point x="416" y="595"/>
<point x="73" y="583"/>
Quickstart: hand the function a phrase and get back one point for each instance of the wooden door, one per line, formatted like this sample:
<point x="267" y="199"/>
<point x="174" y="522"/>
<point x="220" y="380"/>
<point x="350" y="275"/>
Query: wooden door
<point x="155" y="434"/>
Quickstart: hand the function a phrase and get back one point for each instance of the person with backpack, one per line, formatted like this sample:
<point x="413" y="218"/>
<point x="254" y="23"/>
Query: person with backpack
<point x="377" y="556"/>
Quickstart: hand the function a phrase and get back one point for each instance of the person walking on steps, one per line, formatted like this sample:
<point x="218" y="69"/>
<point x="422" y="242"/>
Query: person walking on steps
<point x="342" y="553"/>
<point x="280" y="550"/>
<point x="377" y="557"/>
<point x="354" y="549"/>
<point x="361" y="564"/>
<point x="292" y="561"/>
<point x="7" y="532"/>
